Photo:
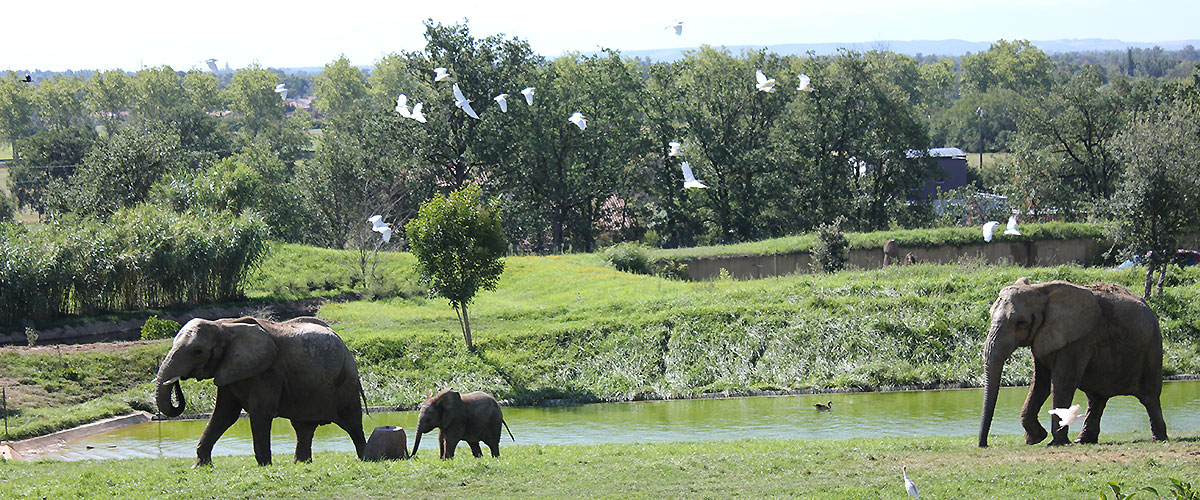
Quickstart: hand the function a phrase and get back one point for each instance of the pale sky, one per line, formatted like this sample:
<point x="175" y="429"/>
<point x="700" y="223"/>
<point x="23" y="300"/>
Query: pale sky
<point x="126" y="34"/>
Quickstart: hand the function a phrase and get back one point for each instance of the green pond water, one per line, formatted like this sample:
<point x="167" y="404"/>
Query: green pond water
<point x="917" y="413"/>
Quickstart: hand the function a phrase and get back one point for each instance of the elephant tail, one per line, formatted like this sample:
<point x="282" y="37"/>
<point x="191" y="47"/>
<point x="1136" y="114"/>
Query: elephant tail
<point x="361" y="392"/>
<point x="510" y="436"/>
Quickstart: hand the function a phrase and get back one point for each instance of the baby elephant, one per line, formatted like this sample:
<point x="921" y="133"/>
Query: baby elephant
<point x="471" y="417"/>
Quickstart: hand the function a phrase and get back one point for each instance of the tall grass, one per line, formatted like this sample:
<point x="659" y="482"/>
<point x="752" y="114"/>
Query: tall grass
<point x="140" y="258"/>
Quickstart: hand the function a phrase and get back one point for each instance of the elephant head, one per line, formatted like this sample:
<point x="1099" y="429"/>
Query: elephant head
<point x="224" y="350"/>
<point x="437" y="411"/>
<point x="1044" y="317"/>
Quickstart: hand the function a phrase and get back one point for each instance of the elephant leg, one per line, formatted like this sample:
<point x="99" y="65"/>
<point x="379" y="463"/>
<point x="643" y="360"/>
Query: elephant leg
<point x="350" y="420"/>
<point x="475" y="449"/>
<point x="1039" y="390"/>
<point x="1063" y="392"/>
<point x="1158" y="427"/>
<point x="304" y="437"/>
<point x="447" y="442"/>
<point x="1091" y="425"/>
<point x="225" y="413"/>
<point x="260" y="431"/>
<point x="494" y="445"/>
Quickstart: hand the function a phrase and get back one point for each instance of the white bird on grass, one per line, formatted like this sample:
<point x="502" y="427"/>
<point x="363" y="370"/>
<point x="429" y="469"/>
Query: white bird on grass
<point x="1012" y="226"/>
<point x="674" y="148"/>
<point x="689" y="180"/>
<point x="416" y="112"/>
<point x="381" y="227"/>
<point x="502" y="100"/>
<point x="764" y="84"/>
<point x="804" y="83"/>
<point x="402" y="106"/>
<point x="1068" y="416"/>
<point x="579" y="120"/>
<point x="528" y="93"/>
<point x="461" y="101"/>
<point x="988" y="227"/>
<point x="910" y="486"/>
<point x="281" y="89"/>
<point x="678" y="27"/>
<point x="440" y="74"/>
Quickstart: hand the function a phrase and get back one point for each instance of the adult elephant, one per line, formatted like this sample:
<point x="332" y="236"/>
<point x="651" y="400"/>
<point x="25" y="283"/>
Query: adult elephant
<point x="299" y="370"/>
<point x="1099" y="338"/>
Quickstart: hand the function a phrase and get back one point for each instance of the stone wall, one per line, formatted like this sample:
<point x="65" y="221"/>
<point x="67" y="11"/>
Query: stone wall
<point x="1080" y="251"/>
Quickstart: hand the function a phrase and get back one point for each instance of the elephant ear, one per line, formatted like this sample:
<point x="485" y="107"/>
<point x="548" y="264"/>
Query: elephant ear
<point x="1070" y="313"/>
<point x="449" y="399"/>
<point x="248" y="352"/>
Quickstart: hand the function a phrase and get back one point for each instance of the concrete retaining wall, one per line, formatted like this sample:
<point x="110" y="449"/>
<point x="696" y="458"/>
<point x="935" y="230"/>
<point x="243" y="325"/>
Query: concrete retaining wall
<point x="1080" y="251"/>
<point x="31" y="448"/>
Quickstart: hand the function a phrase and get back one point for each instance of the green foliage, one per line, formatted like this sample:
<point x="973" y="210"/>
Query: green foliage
<point x="154" y="328"/>
<point x="629" y="257"/>
<point x="118" y="174"/>
<point x="830" y="252"/>
<point x="139" y="258"/>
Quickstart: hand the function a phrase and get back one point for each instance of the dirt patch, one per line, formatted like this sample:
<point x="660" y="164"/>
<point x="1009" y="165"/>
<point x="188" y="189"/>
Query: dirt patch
<point x="120" y="346"/>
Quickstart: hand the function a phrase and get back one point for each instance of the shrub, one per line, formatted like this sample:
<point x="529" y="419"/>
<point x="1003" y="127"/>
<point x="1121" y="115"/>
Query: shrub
<point x="629" y="257"/>
<point x="154" y="328"/>
<point x="830" y="252"/>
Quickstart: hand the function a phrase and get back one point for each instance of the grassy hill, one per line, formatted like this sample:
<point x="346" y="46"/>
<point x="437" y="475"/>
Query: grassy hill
<point x="572" y="327"/>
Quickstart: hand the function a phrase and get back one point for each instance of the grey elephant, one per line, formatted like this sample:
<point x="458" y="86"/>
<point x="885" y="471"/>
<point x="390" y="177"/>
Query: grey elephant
<point x="1101" y="339"/>
<point x="471" y="417"/>
<point x="299" y="370"/>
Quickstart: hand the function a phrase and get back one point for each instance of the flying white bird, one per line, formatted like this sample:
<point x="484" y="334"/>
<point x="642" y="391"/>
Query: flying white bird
<point x="464" y="103"/>
<point x="442" y="74"/>
<point x="689" y="180"/>
<point x="502" y="100"/>
<point x="804" y="83"/>
<point x="528" y="93"/>
<point x="1068" y="416"/>
<point x="579" y="120"/>
<point x="1012" y="226"/>
<point x="678" y="27"/>
<point x="402" y="106"/>
<point x="988" y="228"/>
<point x="381" y="227"/>
<point x="281" y="89"/>
<point x="674" y="148"/>
<point x="764" y="84"/>
<point x="417" y="114"/>
<point x="910" y="486"/>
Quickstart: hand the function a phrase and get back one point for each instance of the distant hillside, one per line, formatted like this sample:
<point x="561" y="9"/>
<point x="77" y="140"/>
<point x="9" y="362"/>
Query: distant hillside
<point x="925" y="47"/>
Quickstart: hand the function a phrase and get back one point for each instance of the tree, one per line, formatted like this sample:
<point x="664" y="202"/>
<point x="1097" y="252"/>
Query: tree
<point x="341" y="90"/>
<point x="459" y="243"/>
<point x="108" y="94"/>
<point x="1156" y="201"/>
<point x="16" y="105"/>
<point x="1015" y="65"/>
<point x="252" y="96"/>
<point x="119" y="173"/>
<point x="58" y="104"/>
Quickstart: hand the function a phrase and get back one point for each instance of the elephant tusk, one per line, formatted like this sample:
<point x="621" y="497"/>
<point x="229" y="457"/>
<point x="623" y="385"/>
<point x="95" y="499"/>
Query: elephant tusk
<point x="172" y="380"/>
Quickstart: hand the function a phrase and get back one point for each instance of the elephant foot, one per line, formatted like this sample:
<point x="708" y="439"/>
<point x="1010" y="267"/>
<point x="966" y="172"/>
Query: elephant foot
<point x="1035" y="435"/>
<point x="1087" y="439"/>
<point x="1059" y="442"/>
<point x="202" y="462"/>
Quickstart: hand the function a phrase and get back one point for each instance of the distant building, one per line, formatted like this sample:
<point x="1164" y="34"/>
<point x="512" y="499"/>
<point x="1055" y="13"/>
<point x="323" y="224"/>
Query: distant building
<point x="951" y="172"/>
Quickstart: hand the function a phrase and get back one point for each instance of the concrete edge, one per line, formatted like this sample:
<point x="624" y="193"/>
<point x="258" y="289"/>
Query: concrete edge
<point x="27" y="449"/>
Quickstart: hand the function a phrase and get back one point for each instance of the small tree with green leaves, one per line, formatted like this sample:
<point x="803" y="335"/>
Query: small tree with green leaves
<point x="459" y="244"/>
<point x="830" y="252"/>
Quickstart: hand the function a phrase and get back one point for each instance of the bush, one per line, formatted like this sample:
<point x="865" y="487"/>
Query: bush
<point x="155" y="328"/>
<point x="629" y="257"/>
<point x="830" y="252"/>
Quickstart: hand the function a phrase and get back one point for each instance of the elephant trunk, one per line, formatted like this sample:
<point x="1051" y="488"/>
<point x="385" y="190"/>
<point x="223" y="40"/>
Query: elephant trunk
<point x="416" y="444"/>
<point x="994" y="355"/>
<point x="163" y="398"/>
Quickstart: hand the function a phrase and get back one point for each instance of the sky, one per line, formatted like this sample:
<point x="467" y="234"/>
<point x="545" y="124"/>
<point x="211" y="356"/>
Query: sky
<point x="129" y="34"/>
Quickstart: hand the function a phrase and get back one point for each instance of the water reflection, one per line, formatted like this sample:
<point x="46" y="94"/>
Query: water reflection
<point x="920" y="413"/>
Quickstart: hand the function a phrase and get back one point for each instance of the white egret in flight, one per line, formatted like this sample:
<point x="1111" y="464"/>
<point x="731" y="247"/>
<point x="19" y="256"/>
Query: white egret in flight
<point x="1068" y="416"/>
<point x="764" y="84"/>
<point x="417" y="114"/>
<point x="461" y="101"/>
<point x="528" y="93"/>
<point x="441" y="74"/>
<point x="402" y="106"/>
<point x="689" y="180"/>
<point x="502" y="100"/>
<point x="282" y="90"/>
<point x="674" y="148"/>
<point x="1012" y="226"/>
<point x="804" y="83"/>
<point x="579" y="120"/>
<point x="678" y="27"/>
<point x="381" y="227"/>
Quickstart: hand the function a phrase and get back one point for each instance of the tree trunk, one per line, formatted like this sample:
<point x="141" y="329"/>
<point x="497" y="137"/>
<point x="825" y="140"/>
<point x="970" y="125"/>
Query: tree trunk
<point x="1162" y="276"/>
<point x="466" y="324"/>
<point x="1149" y="280"/>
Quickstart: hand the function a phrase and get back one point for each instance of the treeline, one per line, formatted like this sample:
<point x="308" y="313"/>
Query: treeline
<point x="775" y="162"/>
<point x="139" y="258"/>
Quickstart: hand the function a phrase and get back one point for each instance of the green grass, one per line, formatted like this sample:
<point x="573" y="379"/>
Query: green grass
<point x="572" y="327"/>
<point x="847" y="469"/>
<point x="909" y="238"/>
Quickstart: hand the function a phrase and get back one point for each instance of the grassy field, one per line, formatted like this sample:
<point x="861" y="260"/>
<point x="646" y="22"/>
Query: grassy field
<point x="572" y="327"/>
<point x="849" y="469"/>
